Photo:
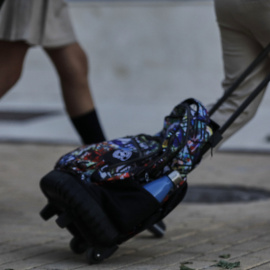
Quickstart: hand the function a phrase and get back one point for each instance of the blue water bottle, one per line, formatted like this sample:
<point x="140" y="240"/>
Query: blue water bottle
<point x="162" y="186"/>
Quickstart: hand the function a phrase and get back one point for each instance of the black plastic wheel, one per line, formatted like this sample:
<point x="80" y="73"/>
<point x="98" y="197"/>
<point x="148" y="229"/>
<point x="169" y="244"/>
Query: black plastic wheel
<point x="93" y="256"/>
<point x="158" y="229"/>
<point x="96" y="255"/>
<point x="78" y="245"/>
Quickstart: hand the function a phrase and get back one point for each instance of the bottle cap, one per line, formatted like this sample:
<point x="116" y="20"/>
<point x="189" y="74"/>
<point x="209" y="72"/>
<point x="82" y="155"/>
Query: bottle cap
<point x="175" y="177"/>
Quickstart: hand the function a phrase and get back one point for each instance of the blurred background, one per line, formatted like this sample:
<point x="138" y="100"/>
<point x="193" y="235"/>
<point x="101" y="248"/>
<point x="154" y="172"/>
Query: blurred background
<point x="146" y="56"/>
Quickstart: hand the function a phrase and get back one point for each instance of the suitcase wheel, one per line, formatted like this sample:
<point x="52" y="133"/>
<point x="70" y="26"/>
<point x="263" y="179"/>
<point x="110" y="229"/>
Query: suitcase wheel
<point x="158" y="229"/>
<point x="78" y="245"/>
<point x="96" y="255"/>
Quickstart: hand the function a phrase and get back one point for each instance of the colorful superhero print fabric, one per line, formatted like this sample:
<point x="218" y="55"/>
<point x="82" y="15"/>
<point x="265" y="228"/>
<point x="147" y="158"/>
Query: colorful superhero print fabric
<point x="144" y="158"/>
<point x="110" y="160"/>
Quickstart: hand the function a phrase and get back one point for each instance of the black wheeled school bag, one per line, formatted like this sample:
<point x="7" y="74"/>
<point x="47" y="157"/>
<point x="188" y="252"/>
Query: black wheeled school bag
<point x="103" y="193"/>
<point x="98" y="191"/>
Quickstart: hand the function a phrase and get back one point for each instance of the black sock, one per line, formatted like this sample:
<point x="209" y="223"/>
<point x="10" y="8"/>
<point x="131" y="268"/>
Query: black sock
<point x="88" y="126"/>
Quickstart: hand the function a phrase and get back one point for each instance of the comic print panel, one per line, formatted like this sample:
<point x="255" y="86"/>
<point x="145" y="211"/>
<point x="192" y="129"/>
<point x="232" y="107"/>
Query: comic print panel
<point x="112" y="160"/>
<point x="200" y="133"/>
<point x="177" y="147"/>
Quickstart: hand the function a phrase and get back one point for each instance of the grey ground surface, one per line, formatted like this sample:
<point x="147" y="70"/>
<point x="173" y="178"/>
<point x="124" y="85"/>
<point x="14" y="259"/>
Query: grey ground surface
<point x="197" y="233"/>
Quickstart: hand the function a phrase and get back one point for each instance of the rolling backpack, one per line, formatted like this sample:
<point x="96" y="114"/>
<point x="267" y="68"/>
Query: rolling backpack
<point x="99" y="191"/>
<point x="106" y="193"/>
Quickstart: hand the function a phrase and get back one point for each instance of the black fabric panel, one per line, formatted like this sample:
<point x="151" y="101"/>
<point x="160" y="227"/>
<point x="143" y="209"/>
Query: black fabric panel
<point x="125" y="202"/>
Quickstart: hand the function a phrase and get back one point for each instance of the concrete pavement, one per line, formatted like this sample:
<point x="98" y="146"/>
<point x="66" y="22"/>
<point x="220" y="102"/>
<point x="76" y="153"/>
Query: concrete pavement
<point x="197" y="233"/>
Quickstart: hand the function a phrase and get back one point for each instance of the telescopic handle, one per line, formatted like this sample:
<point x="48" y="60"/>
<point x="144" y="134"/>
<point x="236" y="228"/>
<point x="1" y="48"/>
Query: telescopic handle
<point x="245" y="104"/>
<point x="1" y="3"/>
<point x="248" y="70"/>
